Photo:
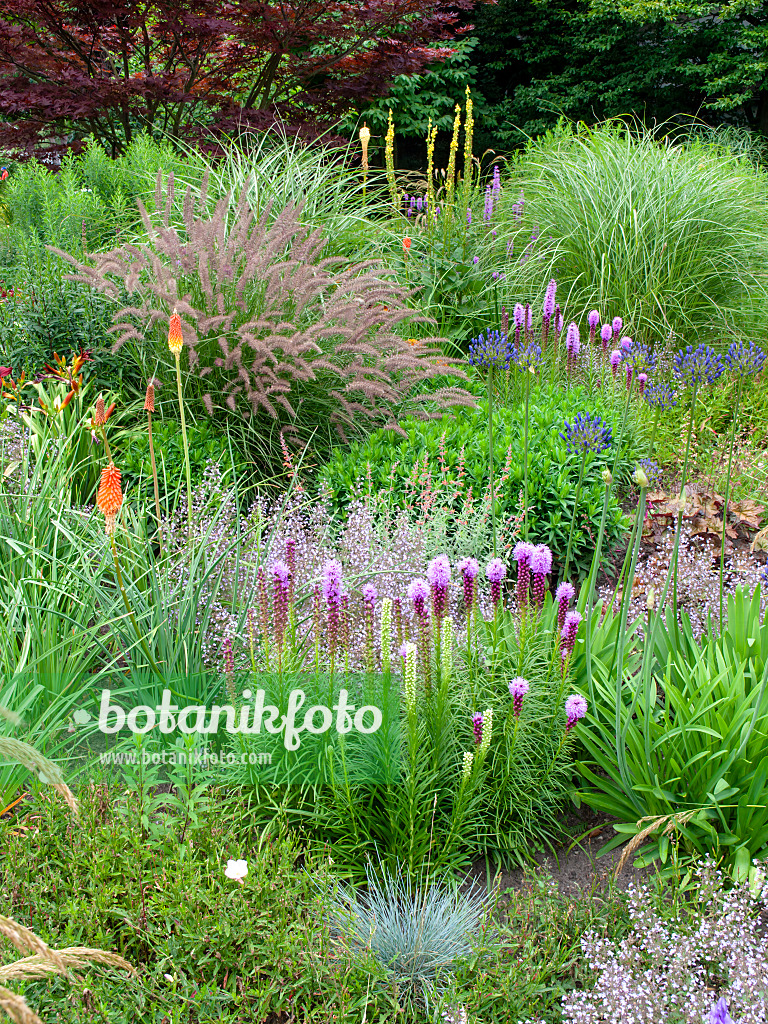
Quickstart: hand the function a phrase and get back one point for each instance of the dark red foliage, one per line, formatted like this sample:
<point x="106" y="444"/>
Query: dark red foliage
<point x="69" y="68"/>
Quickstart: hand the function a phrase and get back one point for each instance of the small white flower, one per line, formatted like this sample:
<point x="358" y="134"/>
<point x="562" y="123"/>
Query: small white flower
<point x="236" y="870"/>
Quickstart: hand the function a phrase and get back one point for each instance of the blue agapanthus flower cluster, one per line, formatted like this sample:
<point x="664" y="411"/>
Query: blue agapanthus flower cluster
<point x="660" y="395"/>
<point x="641" y="358"/>
<point x="587" y="434"/>
<point x="527" y="355"/>
<point x="651" y="469"/>
<point x="745" y="360"/>
<point x="697" y="366"/>
<point x="491" y="350"/>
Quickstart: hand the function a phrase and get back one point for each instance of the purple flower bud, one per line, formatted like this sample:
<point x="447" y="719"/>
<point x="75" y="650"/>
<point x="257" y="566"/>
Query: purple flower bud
<point x="615" y="359"/>
<point x="605" y="336"/>
<point x="564" y="594"/>
<point x="593" y="319"/>
<point x="469" y="569"/>
<point x="617" y="325"/>
<point x="439" y="577"/>
<point x="477" y="726"/>
<point x="418" y="592"/>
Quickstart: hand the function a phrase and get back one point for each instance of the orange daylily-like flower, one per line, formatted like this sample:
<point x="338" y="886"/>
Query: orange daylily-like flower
<point x="175" y="337"/>
<point x="406" y="244"/>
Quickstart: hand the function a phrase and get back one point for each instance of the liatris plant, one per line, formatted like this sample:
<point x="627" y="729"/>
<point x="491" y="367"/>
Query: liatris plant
<point x="575" y="709"/>
<point x="548" y="311"/>
<point x="491" y="351"/>
<point x="593" y="319"/>
<point x="522" y="554"/>
<point x="281" y="576"/>
<point x="564" y="594"/>
<point x="418" y="593"/>
<point x="572" y="347"/>
<point x="439" y="577"/>
<point x="568" y="636"/>
<point x="331" y="583"/>
<point x="496" y="571"/>
<point x="617" y="326"/>
<point x="606" y="336"/>
<point x="587" y="434"/>
<point x="743" y="361"/>
<point x="541" y="566"/>
<point x="615" y="360"/>
<point x="468" y="568"/>
<point x="477" y="726"/>
<point x="386" y="635"/>
<point x="517" y="690"/>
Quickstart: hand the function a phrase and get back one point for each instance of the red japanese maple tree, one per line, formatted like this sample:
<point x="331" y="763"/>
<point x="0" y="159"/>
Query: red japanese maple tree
<point x="70" y="68"/>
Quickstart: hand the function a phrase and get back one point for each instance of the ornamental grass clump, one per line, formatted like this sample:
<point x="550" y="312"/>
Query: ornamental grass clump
<point x="265" y="319"/>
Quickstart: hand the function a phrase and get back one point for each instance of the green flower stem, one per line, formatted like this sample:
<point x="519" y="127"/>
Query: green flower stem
<point x="131" y="616"/>
<point x="727" y="494"/>
<point x="589" y="591"/>
<point x="525" y="456"/>
<point x="575" y="512"/>
<point x="624" y="613"/>
<point x="155" y="483"/>
<point x="490" y="455"/>
<point x="184" y="440"/>
<point x="676" y="549"/>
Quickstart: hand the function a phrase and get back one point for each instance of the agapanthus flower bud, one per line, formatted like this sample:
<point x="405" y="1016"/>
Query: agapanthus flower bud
<point x="640" y="477"/>
<point x="650" y="599"/>
<point x="607" y="477"/>
<point x="517" y="690"/>
<point x="575" y="709"/>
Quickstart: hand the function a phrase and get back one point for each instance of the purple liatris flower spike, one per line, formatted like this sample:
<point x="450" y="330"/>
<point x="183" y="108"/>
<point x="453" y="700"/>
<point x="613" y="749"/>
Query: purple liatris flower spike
<point x="541" y="566"/>
<point x="522" y="555"/>
<point x="629" y="376"/>
<point x="569" y="632"/>
<point x="331" y="583"/>
<point x="593" y="319"/>
<point x="495" y="571"/>
<point x="477" y="726"/>
<point x="642" y="380"/>
<point x="519" y="315"/>
<point x="469" y="569"/>
<point x="719" y="1013"/>
<point x="564" y="594"/>
<point x="697" y="366"/>
<point x="229" y="659"/>
<point x="504" y="321"/>
<point x="587" y="434"/>
<point x="617" y="325"/>
<point x="369" y="602"/>
<point x="626" y="345"/>
<point x="558" y="322"/>
<point x="606" y="334"/>
<point x="469" y="215"/>
<point x="496" y="183"/>
<point x="418" y="592"/>
<point x="475" y="260"/>
<point x="572" y="342"/>
<point x="517" y="690"/>
<point x="548" y="310"/>
<point x="439" y="576"/>
<point x="614" y="359"/>
<point x="575" y="708"/>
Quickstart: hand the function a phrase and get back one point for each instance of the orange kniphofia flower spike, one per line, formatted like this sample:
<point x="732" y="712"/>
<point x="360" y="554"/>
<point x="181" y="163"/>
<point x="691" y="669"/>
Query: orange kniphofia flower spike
<point x="109" y="496"/>
<point x="109" y="412"/>
<point x="99" y="416"/>
<point x="406" y="244"/>
<point x="149" y="400"/>
<point x="175" y="337"/>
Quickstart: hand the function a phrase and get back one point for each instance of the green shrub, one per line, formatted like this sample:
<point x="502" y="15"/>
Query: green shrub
<point x="451" y="455"/>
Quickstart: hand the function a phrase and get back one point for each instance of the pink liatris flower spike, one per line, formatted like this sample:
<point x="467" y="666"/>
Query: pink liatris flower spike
<point x="418" y="592"/>
<point x="495" y="571"/>
<point x="564" y="594"/>
<point x="541" y="566"/>
<point x="522" y="555"/>
<point x="281" y="576"/>
<point x="615" y="359"/>
<point x="606" y="334"/>
<point x="331" y="581"/>
<point x="477" y="726"/>
<point x="642" y="380"/>
<point x="575" y="708"/>
<point x="439" y="576"/>
<point x="569" y="632"/>
<point x="469" y="569"/>
<point x="517" y="690"/>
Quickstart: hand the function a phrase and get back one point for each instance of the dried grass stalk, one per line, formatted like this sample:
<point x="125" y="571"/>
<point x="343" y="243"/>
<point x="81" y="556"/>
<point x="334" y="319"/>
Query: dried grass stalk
<point x="17" y="1009"/>
<point x="36" y="762"/>
<point x="43" y="963"/>
<point x="262" y="311"/>
<point x="673" y="821"/>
